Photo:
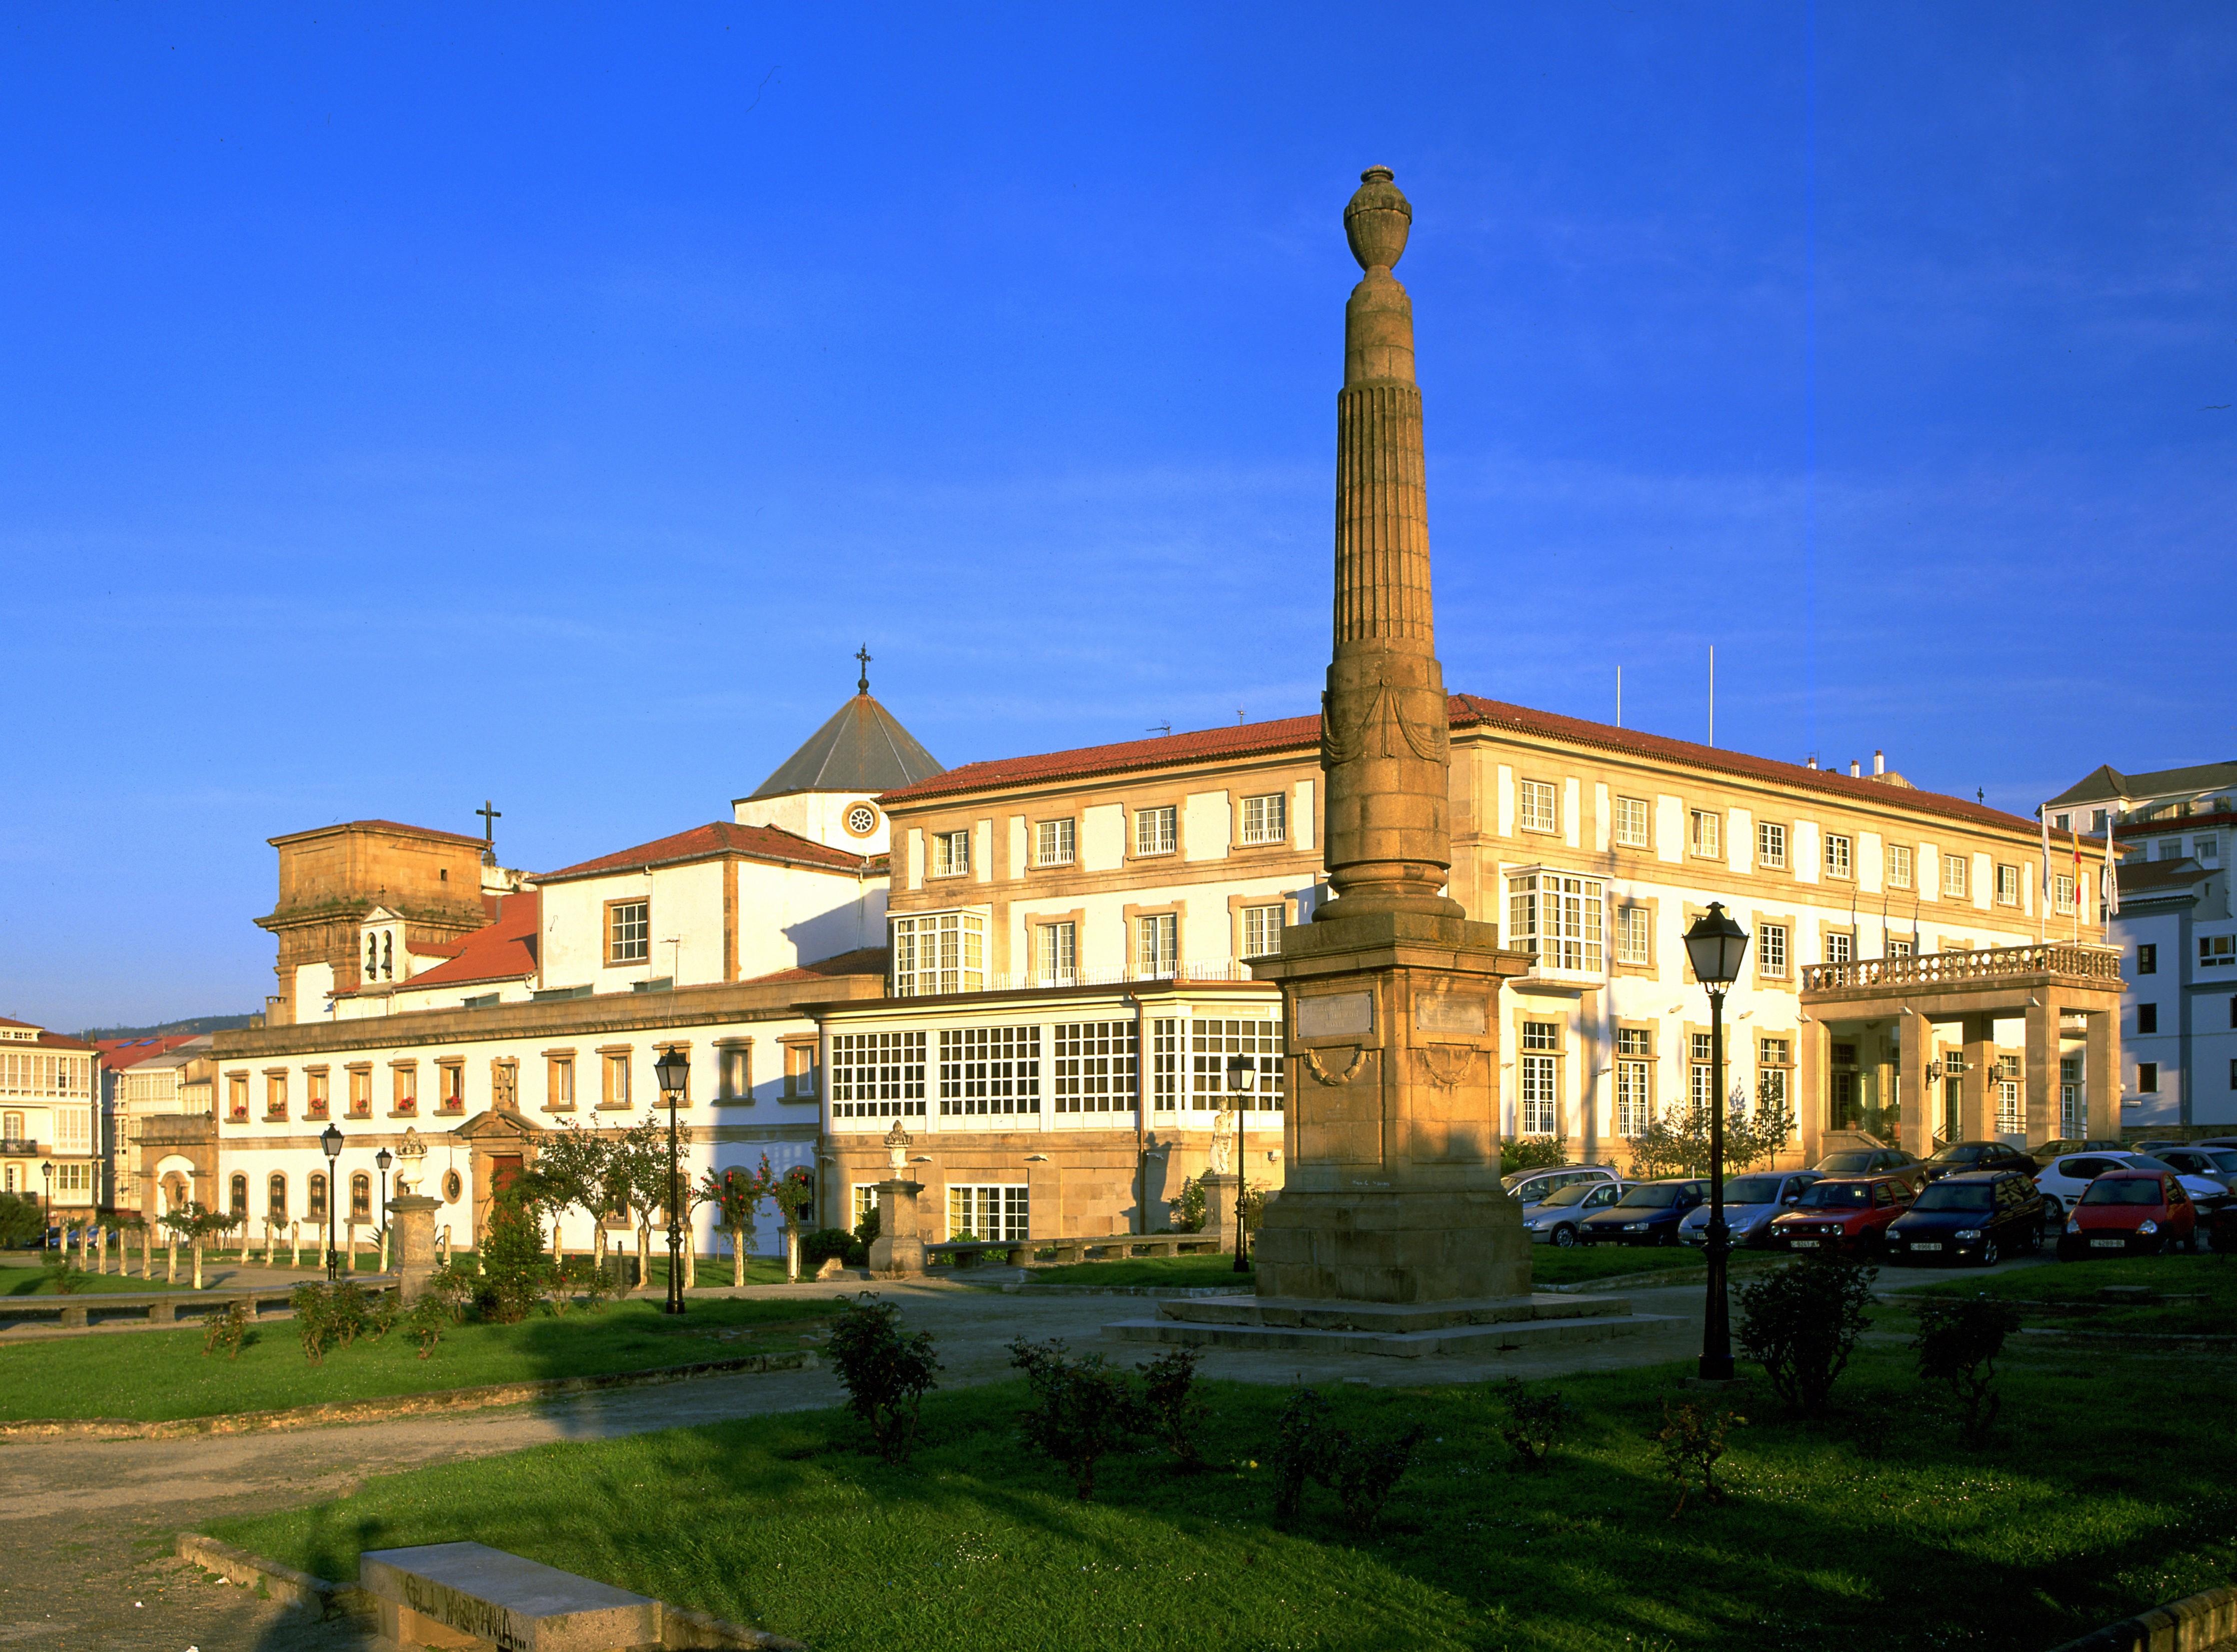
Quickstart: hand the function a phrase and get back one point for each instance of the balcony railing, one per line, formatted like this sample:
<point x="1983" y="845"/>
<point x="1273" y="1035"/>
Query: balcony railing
<point x="1224" y="969"/>
<point x="18" y="1147"/>
<point x="1956" y="968"/>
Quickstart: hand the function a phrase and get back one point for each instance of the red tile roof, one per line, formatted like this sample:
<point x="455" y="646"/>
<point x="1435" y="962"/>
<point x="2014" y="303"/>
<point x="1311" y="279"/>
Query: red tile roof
<point x="866" y="960"/>
<point x="769" y="844"/>
<point x="1467" y="710"/>
<point x="117" y="1054"/>
<point x="45" y="1041"/>
<point x="378" y="826"/>
<point x="505" y="950"/>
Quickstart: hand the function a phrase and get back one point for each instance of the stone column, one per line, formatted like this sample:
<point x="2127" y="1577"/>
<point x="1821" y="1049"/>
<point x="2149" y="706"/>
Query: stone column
<point x="898" y="1251"/>
<point x="2100" y="1069"/>
<point x="1920" y="1106"/>
<point x="414" y="1225"/>
<point x="2040" y="1094"/>
<point x="1218" y="1209"/>
<point x="1978" y="1115"/>
<point x="1813" y="1095"/>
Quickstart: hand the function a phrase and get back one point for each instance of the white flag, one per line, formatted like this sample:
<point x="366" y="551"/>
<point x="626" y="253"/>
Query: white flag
<point x="2109" y="884"/>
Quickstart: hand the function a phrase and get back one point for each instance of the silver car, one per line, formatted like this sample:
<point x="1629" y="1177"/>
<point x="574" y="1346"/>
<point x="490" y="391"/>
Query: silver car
<point x="1554" y="1220"/>
<point x="1529" y="1188"/>
<point x="1750" y="1201"/>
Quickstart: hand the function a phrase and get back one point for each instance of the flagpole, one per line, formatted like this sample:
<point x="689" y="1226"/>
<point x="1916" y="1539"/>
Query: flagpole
<point x="2042" y="894"/>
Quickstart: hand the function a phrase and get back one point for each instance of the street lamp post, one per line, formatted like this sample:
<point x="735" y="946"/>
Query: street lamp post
<point x="673" y="1069"/>
<point x="384" y="1158"/>
<point x="49" y="1168"/>
<point x="1242" y="1080"/>
<point x="330" y="1139"/>
<point x="1714" y="946"/>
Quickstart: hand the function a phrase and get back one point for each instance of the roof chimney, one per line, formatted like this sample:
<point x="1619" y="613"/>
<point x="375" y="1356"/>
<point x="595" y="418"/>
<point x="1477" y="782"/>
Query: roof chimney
<point x="1810" y="762"/>
<point x="1856" y="770"/>
<point x="1879" y="761"/>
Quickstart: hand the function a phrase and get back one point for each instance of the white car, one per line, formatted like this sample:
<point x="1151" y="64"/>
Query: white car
<point x="1554" y="1219"/>
<point x="2065" y="1177"/>
<point x="1529" y="1187"/>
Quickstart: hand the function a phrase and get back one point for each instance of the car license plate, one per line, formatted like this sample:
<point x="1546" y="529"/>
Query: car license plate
<point x="1929" y="1245"/>
<point x="2109" y="1244"/>
<point x="1803" y="1243"/>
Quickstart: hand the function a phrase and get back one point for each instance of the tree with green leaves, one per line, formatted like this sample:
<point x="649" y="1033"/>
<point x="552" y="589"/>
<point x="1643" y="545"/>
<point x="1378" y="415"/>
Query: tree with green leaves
<point x="196" y="1223"/>
<point x="735" y="1193"/>
<point x="638" y="1178"/>
<point x="792" y="1193"/>
<point x="571" y="1170"/>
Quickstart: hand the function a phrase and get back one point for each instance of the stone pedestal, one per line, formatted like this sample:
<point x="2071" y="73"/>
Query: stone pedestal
<point x="1218" y="1209"/>
<point x="413" y="1227"/>
<point x="898" y="1251"/>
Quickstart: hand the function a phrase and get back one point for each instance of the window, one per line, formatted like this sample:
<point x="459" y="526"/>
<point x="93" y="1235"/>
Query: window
<point x="951" y="853"/>
<point x="2168" y="848"/>
<point x="237" y="1192"/>
<point x="1635" y="1042"/>
<point x="1157" y="944"/>
<point x="2205" y="849"/>
<point x="799" y="1067"/>
<point x="862" y="820"/>
<point x="275" y="1095"/>
<point x="1166" y="1063"/>
<point x="2148" y="959"/>
<point x="2148" y="1078"/>
<point x="1837" y="855"/>
<point x="2062" y="892"/>
<point x="1157" y="831"/>
<point x="1540" y="1077"/>
<point x="1700" y="1073"/>
<point x="1771" y="949"/>
<point x="2064" y="822"/>
<point x="984" y="1211"/>
<point x="1213" y="1042"/>
<point x="450" y="1087"/>
<point x="866" y="1200"/>
<point x="1840" y="947"/>
<point x="1539" y="814"/>
<point x="275" y="1199"/>
<point x="1953" y="875"/>
<point x="1770" y="844"/>
<point x="1634" y="827"/>
<point x="1633" y="936"/>
<point x="2007" y="884"/>
<point x="1898" y="866"/>
<point x="314" y="1094"/>
<point x="360" y="1196"/>
<point x="1056" y="954"/>
<point x="314" y="1196"/>
<point x="2148" y="1018"/>
<point x="1634" y="1083"/>
<point x="629" y="931"/>
<point x="877" y="1075"/>
<point x="614" y="1089"/>
<point x="734" y="1071"/>
<point x="236" y="1095"/>
<point x="360" y="1091"/>
<point x="1262" y="930"/>
<point x="2217" y="951"/>
<point x="2097" y="821"/>
<point x="1772" y="1051"/>
<point x="1095" y="1066"/>
<point x="990" y="1069"/>
<point x="1557" y="919"/>
<point x="1055" y="843"/>
<point x="2073" y="1122"/>
<point x="1704" y="832"/>
<point x="1266" y="820"/>
<point x="404" y="1086"/>
<point x="942" y="952"/>
<point x="559" y="1082"/>
<point x="1901" y="948"/>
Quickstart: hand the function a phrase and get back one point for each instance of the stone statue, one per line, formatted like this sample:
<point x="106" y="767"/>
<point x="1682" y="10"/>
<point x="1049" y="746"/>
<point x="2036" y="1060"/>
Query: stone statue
<point x="897" y="1146"/>
<point x="411" y="1161"/>
<point x="1223" y="1143"/>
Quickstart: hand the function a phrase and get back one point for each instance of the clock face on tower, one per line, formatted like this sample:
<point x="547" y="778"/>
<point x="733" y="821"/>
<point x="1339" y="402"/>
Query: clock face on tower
<point x="862" y="820"/>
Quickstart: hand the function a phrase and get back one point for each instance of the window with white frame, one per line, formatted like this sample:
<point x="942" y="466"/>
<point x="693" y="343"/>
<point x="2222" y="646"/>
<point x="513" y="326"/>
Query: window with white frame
<point x="2062" y="892"/>
<point x="1705" y="829"/>
<point x="993" y="1211"/>
<point x="1055" y="843"/>
<point x="1166" y="1063"/>
<point x="615" y="1092"/>
<point x="990" y="1069"/>
<point x="1634" y="824"/>
<point x="2008" y="1123"/>
<point x="2007" y="884"/>
<point x="1900" y="948"/>
<point x="1157" y="831"/>
<point x="2205" y="849"/>
<point x="1771" y="949"/>
<point x="1094" y="1066"/>
<point x="2217" y="952"/>
<point x="1898" y="866"/>
<point x="733" y="1072"/>
<point x="1056" y="954"/>
<point x="864" y="1200"/>
<point x="1539" y="1073"/>
<point x="951" y="853"/>
<point x="1262" y="930"/>
<point x="2073" y="1116"/>
<point x="1539" y="813"/>
<point x="629" y="931"/>
<point x="1953" y="875"/>
<point x="1633" y="935"/>
<point x="1700" y="1073"/>
<point x="939" y="951"/>
<point x="1840" y="947"/>
<point x="1557" y="919"/>
<point x="1771" y="845"/>
<point x="1837" y="855"/>
<point x="1157" y="943"/>
<point x="1266" y="819"/>
<point x="1634" y="1079"/>
<point x="1213" y="1042"/>
<point x="877" y="1075"/>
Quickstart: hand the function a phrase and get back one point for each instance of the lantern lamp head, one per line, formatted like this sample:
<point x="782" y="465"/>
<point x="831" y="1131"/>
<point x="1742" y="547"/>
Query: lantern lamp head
<point x="1714" y="947"/>
<point x="384" y="1158"/>
<point x="673" y="1068"/>
<point x="331" y="1139"/>
<point x="1242" y="1073"/>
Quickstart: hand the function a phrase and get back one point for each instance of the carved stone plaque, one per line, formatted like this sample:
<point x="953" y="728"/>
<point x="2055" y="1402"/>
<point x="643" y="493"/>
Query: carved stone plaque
<point x="1450" y="1013"/>
<point x="1335" y="1015"/>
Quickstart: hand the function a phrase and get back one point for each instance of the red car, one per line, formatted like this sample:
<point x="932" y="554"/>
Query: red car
<point x="1842" y="1213"/>
<point x="2123" y="1212"/>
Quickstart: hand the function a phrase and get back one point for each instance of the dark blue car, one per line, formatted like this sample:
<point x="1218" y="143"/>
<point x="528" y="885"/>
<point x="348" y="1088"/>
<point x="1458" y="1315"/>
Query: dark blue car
<point x="1648" y="1213"/>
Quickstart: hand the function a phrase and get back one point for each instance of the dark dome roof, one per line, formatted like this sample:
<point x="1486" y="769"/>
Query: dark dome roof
<point x="863" y="747"/>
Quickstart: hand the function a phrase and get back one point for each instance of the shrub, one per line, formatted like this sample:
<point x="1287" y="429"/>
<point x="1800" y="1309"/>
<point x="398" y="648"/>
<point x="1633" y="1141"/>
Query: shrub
<point x="1083" y="1409"/>
<point x="516" y="1274"/>
<point x="1691" y="1442"/>
<point x="1957" y="1343"/>
<point x="1362" y="1473"/>
<point x="430" y="1317"/>
<point x="313" y="1321"/>
<point x="349" y="1311"/>
<point x="22" y="1222"/>
<point x="1800" y="1323"/>
<point x="887" y="1372"/>
<point x="578" y="1276"/>
<point x="228" y="1331"/>
<point x="1188" y="1207"/>
<point x="824" y="1243"/>
<point x="1535" y="1422"/>
<point x="865" y="1235"/>
<point x="1533" y="1152"/>
<point x="1170" y="1408"/>
<point x="385" y="1310"/>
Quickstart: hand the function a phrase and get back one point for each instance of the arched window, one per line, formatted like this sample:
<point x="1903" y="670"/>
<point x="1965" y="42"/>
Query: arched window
<point x="388" y="955"/>
<point x="360" y="1196"/>
<point x="275" y="1197"/>
<point x="240" y="1192"/>
<point x="314" y="1196"/>
<point x="372" y="956"/>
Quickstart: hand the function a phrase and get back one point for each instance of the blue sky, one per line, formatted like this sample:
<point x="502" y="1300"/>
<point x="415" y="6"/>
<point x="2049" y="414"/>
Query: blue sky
<point x="408" y="405"/>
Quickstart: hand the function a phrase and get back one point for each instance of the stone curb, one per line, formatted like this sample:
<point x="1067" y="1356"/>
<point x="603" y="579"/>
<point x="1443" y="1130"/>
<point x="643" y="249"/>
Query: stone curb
<point x="1175" y="1292"/>
<point x="368" y="1411"/>
<point x="2187" y="1625"/>
<point x="680" y="1627"/>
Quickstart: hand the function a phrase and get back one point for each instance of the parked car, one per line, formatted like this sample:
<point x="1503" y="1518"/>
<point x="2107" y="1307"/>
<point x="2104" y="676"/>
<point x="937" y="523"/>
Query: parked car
<point x="1872" y="1161"/>
<point x="1842" y="1213"/>
<point x="2048" y="1151"/>
<point x="1956" y="1157"/>
<point x="1976" y="1216"/>
<point x="2201" y="1164"/>
<point x="1648" y="1213"/>
<point x="2062" y="1180"/>
<point x="2126" y="1211"/>
<point x="1556" y="1219"/>
<point x="1750" y="1201"/>
<point x="2216" y="1141"/>
<point x="1529" y="1188"/>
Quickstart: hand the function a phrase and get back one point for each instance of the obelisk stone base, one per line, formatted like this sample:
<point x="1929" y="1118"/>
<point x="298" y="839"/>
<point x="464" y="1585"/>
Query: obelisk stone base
<point x="1218" y="1209"/>
<point x="414" y="1254"/>
<point x="898" y="1251"/>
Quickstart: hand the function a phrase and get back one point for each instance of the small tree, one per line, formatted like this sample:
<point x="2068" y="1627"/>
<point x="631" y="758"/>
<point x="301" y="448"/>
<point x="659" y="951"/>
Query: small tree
<point x="886" y="1371"/>
<point x="1535" y="1422"/>
<point x="1959" y="1343"/>
<point x="1362" y="1473"/>
<point x="1760" y="1134"/>
<point x="1692" y="1441"/>
<point x="735" y="1195"/>
<point x="1170" y="1407"/>
<point x="791" y="1194"/>
<point x="313" y="1324"/>
<point x="1801" y="1321"/>
<point x="1188" y="1211"/>
<point x="516" y="1274"/>
<point x="1533" y="1152"/>
<point x="571" y="1170"/>
<point x="1083" y="1409"/>
<point x="1676" y="1144"/>
<point x="197" y="1225"/>
<point x="637" y="1176"/>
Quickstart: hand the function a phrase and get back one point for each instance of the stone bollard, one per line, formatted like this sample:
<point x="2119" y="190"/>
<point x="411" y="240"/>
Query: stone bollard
<point x="101" y="1250"/>
<point x="171" y="1255"/>
<point x="349" y="1247"/>
<point x="198" y="1261"/>
<point x="383" y="1246"/>
<point x="294" y="1244"/>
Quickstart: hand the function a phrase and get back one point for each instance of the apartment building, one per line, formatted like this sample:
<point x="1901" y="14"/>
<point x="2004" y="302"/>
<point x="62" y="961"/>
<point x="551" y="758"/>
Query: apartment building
<point x="47" y="1101"/>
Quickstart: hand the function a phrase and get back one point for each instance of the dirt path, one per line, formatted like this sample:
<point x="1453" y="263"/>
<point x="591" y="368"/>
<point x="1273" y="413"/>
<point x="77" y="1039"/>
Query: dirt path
<point x="90" y="1524"/>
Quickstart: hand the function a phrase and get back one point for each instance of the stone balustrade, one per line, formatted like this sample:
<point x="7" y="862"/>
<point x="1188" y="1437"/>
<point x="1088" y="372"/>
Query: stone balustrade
<point x="1930" y="970"/>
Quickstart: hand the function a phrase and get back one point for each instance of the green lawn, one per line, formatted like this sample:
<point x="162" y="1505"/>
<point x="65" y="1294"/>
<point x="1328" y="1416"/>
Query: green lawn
<point x="158" y="1375"/>
<point x="2198" y="1294"/>
<point x="1215" y="1269"/>
<point x="1870" y="1530"/>
<point x="42" y="1281"/>
<point x="1549" y="1265"/>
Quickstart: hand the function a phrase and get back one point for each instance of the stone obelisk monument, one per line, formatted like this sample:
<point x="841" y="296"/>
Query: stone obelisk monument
<point x="1391" y="993"/>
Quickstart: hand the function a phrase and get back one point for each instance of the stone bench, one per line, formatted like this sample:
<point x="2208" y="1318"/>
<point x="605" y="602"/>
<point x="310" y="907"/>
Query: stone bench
<point x="1113" y="1246"/>
<point x="157" y="1307"/>
<point x="470" y="1595"/>
<point x="965" y="1251"/>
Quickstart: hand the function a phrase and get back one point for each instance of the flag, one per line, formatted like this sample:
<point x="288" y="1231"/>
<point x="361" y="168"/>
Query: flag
<point x="2111" y="882"/>
<point x="2042" y="896"/>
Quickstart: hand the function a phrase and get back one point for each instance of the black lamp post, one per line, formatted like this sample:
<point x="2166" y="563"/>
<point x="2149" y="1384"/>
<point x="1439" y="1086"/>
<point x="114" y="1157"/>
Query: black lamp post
<point x="1242" y="1081"/>
<point x="49" y="1168"/>
<point x="330" y="1139"/>
<point x="673" y="1069"/>
<point x="384" y="1158"/>
<point x="1714" y="946"/>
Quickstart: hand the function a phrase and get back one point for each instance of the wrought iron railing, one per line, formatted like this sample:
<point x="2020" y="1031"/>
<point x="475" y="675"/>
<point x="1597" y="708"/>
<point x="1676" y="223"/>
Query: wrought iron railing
<point x="1950" y="968"/>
